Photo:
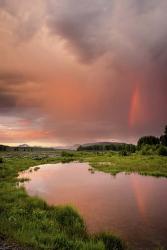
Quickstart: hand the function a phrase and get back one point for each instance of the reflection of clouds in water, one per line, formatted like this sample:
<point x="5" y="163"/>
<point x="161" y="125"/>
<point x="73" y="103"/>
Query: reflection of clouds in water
<point x="143" y="189"/>
<point x="138" y="195"/>
<point x="127" y="204"/>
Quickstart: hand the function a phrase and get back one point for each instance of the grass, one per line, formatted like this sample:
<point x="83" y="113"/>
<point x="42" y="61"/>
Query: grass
<point x="30" y="222"/>
<point x="113" y="162"/>
<point x="144" y="165"/>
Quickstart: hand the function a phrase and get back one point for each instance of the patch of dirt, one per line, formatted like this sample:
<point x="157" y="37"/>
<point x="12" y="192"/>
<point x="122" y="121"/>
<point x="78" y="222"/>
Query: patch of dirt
<point x="6" y="245"/>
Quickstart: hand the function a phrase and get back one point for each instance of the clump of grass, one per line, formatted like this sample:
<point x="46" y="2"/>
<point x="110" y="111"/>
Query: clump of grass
<point x="36" y="168"/>
<point x="21" y="180"/>
<point x="71" y="221"/>
<point x="91" y="170"/>
<point x="67" y="160"/>
<point x="67" y="154"/>
<point x="111" y="241"/>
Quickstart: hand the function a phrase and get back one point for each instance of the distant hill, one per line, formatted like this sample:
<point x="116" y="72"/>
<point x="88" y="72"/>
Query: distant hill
<point x="74" y="147"/>
<point x="102" y="143"/>
<point x="23" y="146"/>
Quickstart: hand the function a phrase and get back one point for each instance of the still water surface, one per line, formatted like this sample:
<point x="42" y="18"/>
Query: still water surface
<point x="132" y="206"/>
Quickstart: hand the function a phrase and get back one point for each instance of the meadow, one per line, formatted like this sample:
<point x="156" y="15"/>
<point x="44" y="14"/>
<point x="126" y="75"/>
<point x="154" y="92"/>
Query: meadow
<point x="113" y="162"/>
<point x="30" y="222"/>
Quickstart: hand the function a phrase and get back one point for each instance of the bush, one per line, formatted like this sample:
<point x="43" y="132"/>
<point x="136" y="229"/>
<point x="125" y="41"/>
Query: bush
<point x="123" y="153"/>
<point x="149" y="150"/>
<point x="67" y="154"/>
<point x="162" y="151"/>
<point x="163" y="140"/>
<point x="1" y="160"/>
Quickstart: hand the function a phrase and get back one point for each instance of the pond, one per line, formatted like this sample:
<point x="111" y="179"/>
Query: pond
<point x="132" y="206"/>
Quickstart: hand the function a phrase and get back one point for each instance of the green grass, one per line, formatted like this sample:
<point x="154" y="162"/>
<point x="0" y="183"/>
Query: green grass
<point x="145" y="165"/>
<point x="29" y="221"/>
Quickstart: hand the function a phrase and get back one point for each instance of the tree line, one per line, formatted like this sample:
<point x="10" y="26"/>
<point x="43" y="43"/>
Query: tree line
<point x="24" y="149"/>
<point x="153" y="140"/>
<point x="145" y="144"/>
<point x="109" y="146"/>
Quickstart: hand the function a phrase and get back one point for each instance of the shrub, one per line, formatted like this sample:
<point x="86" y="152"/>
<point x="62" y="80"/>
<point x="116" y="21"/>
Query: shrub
<point x="67" y="154"/>
<point x="123" y="153"/>
<point x="163" y="140"/>
<point x="162" y="151"/>
<point x="149" y="149"/>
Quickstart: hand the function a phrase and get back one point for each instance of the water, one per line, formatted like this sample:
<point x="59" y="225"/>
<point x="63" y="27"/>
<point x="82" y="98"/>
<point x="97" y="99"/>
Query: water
<point x="132" y="206"/>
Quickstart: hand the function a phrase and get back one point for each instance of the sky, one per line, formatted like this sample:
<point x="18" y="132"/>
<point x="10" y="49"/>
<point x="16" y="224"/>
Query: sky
<point x="75" y="71"/>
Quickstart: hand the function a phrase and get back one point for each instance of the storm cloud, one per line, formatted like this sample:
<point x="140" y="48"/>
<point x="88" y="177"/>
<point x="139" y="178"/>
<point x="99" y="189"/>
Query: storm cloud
<point x="133" y="30"/>
<point x="87" y="70"/>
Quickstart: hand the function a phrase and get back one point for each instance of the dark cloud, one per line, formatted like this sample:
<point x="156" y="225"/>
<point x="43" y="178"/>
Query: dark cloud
<point x="112" y="57"/>
<point x="11" y="78"/>
<point x="7" y="101"/>
<point x="130" y="36"/>
<point x="81" y="24"/>
<point x="131" y="28"/>
<point x="8" y="96"/>
<point x="14" y="91"/>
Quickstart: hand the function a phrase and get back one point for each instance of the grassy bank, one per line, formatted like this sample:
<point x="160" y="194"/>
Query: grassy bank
<point x="146" y="165"/>
<point x="114" y="162"/>
<point x="32" y="223"/>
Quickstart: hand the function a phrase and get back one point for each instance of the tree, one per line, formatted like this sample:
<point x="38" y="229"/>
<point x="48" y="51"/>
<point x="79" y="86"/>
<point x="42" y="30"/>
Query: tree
<point x="165" y="132"/>
<point x="163" y="138"/>
<point x="148" y="140"/>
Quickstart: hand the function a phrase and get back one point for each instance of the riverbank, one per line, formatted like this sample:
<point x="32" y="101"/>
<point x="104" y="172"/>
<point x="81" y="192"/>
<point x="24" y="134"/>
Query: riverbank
<point x="114" y="162"/>
<point x="145" y="165"/>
